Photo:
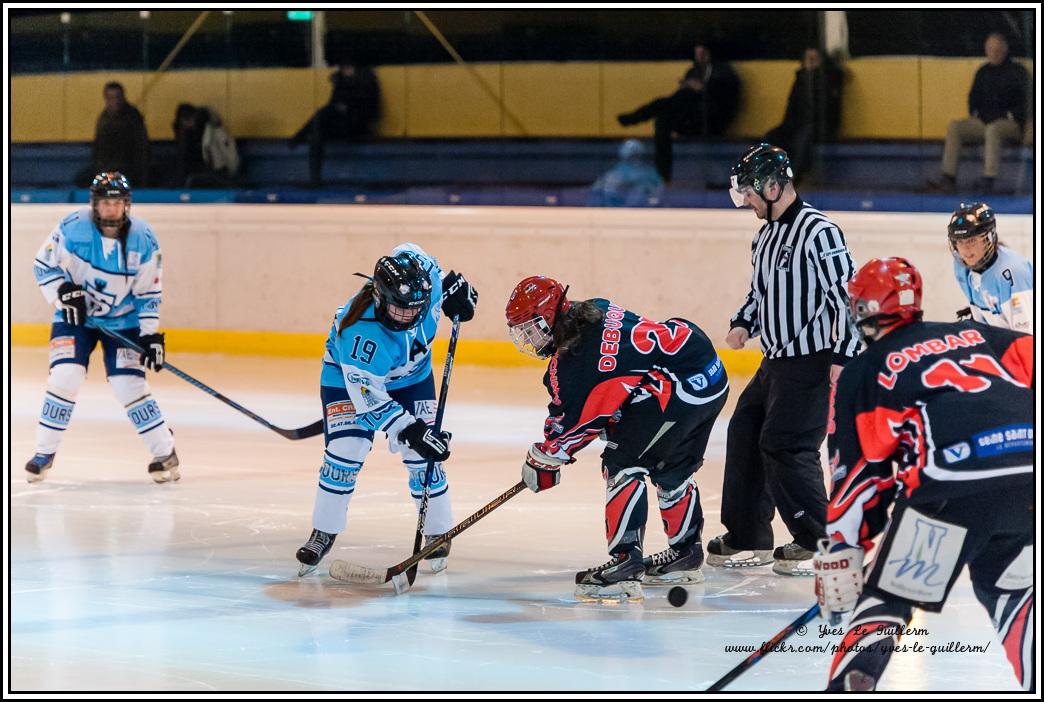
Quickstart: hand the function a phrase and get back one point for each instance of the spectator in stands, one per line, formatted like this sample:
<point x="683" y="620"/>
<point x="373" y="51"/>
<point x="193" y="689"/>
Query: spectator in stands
<point x="206" y="152"/>
<point x="630" y="183"/>
<point x="703" y="106"/>
<point x="120" y="140"/>
<point x="813" y="113"/>
<point x="351" y="113"/>
<point x="997" y="114"/>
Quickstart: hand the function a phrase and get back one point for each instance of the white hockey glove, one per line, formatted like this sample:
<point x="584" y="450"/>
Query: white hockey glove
<point x="839" y="578"/>
<point x="540" y="471"/>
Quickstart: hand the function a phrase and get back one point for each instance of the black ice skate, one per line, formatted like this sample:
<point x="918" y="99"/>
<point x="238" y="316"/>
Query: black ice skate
<point x="618" y="580"/>
<point x="165" y="469"/>
<point x="721" y="555"/>
<point x="37" y="467"/>
<point x="317" y="546"/>
<point x="437" y="559"/>
<point x="675" y="566"/>
<point x="792" y="559"/>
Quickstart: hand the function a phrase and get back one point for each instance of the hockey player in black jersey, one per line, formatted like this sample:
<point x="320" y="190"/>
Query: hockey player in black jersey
<point x="951" y="405"/>
<point x="653" y="390"/>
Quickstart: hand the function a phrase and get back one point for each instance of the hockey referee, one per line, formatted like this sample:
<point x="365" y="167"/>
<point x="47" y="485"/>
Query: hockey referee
<point x="798" y="304"/>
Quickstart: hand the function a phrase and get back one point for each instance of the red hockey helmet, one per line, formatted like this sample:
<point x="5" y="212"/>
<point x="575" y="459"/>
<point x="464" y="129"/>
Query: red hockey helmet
<point x="883" y="294"/>
<point x="531" y="311"/>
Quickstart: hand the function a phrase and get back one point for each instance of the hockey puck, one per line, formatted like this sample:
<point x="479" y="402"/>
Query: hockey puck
<point x="677" y="596"/>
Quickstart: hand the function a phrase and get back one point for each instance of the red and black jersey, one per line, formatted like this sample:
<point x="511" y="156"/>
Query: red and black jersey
<point x="625" y="358"/>
<point x="951" y="404"/>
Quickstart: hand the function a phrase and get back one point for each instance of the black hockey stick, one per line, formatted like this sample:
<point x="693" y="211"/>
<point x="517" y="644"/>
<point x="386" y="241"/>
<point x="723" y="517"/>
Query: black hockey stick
<point x="313" y="429"/>
<point x="765" y="649"/>
<point x="440" y="411"/>
<point x="351" y="572"/>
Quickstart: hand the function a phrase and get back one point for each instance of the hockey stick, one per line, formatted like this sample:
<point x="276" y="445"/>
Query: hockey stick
<point x="765" y="649"/>
<point x="351" y="572"/>
<point x="313" y="429"/>
<point x="440" y="411"/>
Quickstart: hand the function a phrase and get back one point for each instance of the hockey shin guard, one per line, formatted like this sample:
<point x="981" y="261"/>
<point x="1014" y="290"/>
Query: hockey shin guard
<point x="626" y="509"/>
<point x="144" y="413"/>
<point x="439" y="517"/>
<point x="63" y="385"/>
<point x="681" y="512"/>
<point x="864" y="652"/>
<point x="1012" y="615"/>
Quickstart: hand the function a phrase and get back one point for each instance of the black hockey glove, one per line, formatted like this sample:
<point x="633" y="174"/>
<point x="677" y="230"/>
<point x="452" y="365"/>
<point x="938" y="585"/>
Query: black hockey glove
<point x="458" y="297"/>
<point x="964" y="314"/>
<point x="73" y="301"/>
<point x="432" y="445"/>
<point x="153" y="346"/>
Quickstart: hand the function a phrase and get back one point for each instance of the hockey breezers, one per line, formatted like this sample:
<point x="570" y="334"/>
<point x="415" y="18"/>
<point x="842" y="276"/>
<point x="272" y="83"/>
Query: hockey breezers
<point x="765" y="649"/>
<point x="351" y="572"/>
<point x="313" y="429"/>
<point x="440" y="411"/>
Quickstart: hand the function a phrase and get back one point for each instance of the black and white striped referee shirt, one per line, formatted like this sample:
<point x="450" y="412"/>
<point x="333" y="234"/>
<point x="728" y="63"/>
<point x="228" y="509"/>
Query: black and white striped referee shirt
<point x="798" y="299"/>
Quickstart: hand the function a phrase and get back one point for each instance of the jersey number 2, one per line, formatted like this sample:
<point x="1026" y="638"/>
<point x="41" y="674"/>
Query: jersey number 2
<point x="646" y="335"/>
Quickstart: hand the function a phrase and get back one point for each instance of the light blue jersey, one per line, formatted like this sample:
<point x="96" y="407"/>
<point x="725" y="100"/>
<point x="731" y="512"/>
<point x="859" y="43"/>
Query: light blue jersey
<point x="368" y="359"/>
<point x="123" y="279"/>
<point x="1002" y="295"/>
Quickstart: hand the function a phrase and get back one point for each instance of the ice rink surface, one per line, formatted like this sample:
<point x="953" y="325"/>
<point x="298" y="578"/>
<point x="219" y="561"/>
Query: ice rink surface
<point x="117" y="583"/>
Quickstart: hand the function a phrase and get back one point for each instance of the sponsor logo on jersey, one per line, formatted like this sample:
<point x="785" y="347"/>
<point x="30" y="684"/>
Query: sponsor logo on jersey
<point x="957" y="452"/>
<point x="133" y="260"/>
<point x="921" y="558"/>
<point x="63" y="347"/>
<point x="898" y="361"/>
<point x="339" y="415"/>
<point x="128" y="358"/>
<point x="832" y="252"/>
<point x="698" y="381"/>
<point x="424" y="409"/>
<point x="1014" y="438"/>
<point x="611" y="338"/>
<point x="368" y="397"/>
<point x="552" y="381"/>
<point x="356" y="379"/>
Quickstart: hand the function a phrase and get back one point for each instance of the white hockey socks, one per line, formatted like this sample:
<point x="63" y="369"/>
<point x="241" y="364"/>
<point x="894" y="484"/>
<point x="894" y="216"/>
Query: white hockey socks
<point x="63" y="385"/>
<point x="144" y="413"/>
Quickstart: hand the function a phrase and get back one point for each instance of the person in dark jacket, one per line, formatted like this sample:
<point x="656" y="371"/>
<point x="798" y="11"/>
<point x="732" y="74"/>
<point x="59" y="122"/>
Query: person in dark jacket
<point x="351" y="113"/>
<point x="997" y="114"/>
<point x="813" y="113"/>
<point x="121" y="142"/>
<point x="703" y="106"/>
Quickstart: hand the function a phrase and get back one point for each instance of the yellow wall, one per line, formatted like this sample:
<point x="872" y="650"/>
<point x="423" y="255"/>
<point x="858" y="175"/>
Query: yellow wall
<point x="887" y="97"/>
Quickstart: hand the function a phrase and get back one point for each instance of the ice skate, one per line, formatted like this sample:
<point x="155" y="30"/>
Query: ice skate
<point x="792" y="559"/>
<point x="165" y="469"/>
<point x="675" y="566"/>
<point x="317" y="546"/>
<point x="618" y="580"/>
<point x="439" y="557"/>
<point x="721" y="555"/>
<point x="37" y="467"/>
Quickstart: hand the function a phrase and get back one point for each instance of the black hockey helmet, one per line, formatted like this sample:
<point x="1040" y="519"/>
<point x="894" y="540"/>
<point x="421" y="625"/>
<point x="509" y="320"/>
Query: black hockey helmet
<point x="760" y="165"/>
<point x="972" y="220"/>
<point x="109" y="185"/>
<point x="401" y="291"/>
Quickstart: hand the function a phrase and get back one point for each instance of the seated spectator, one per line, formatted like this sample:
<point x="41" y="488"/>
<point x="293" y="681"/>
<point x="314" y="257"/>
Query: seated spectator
<point x="630" y="183"/>
<point x="813" y="113"/>
<point x="703" y="106"/>
<point x="120" y="140"/>
<point x="351" y="113"/>
<point x="997" y="114"/>
<point x="206" y="152"/>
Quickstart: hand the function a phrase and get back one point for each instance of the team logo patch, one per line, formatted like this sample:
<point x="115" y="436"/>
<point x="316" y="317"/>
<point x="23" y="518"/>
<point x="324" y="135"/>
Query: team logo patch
<point x="368" y="397"/>
<point x="783" y="264"/>
<point x="62" y="348"/>
<point x="957" y="452"/>
<point x="339" y="415"/>
<point x="128" y="358"/>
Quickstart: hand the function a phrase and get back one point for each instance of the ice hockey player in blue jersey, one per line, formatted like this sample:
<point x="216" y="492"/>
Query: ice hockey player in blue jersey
<point x="377" y="377"/>
<point x="100" y="267"/>
<point x="997" y="281"/>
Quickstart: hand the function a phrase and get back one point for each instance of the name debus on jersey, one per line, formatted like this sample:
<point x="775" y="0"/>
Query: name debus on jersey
<point x="611" y="338"/>
<point x="898" y="361"/>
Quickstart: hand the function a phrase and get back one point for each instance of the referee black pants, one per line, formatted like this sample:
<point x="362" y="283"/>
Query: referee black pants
<point x="772" y="460"/>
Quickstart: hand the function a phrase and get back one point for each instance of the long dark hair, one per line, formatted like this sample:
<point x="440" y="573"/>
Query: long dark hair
<point x="570" y="325"/>
<point x="362" y="300"/>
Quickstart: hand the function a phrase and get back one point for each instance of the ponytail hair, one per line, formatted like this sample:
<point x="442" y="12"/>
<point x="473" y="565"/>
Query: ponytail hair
<point x="360" y="302"/>
<point x="570" y="325"/>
